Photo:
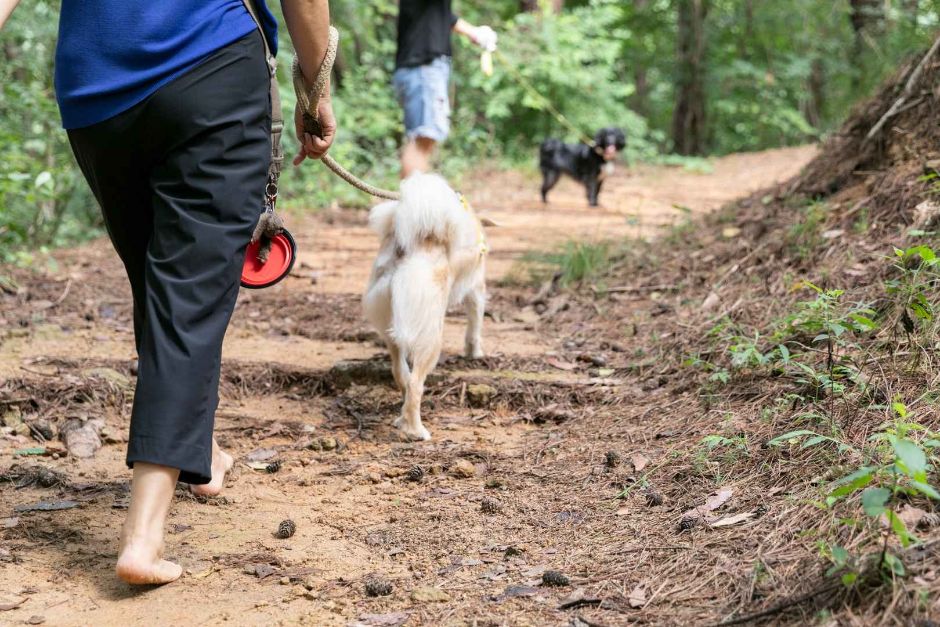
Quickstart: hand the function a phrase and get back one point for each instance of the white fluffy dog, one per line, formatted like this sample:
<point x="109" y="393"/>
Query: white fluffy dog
<point x="431" y="257"/>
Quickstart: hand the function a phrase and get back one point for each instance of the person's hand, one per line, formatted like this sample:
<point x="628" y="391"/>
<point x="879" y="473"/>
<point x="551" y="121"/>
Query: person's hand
<point x="485" y="37"/>
<point x="311" y="146"/>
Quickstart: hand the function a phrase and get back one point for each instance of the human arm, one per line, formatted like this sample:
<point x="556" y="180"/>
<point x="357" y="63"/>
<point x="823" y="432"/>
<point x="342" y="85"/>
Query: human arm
<point x="6" y="9"/>
<point x="483" y="36"/>
<point x="308" y="22"/>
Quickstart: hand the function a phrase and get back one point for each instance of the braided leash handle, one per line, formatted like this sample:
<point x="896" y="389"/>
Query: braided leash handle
<point x="308" y="103"/>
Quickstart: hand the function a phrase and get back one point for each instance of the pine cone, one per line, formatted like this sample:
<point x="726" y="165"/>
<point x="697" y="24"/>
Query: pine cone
<point x="286" y="529"/>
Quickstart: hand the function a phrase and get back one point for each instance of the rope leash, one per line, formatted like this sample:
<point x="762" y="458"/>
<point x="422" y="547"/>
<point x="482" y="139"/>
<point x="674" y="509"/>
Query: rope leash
<point x="308" y="101"/>
<point x="534" y="93"/>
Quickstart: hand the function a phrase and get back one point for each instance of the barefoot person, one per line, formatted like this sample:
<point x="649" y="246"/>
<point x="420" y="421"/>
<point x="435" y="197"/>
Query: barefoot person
<point x="422" y="74"/>
<point x="168" y="113"/>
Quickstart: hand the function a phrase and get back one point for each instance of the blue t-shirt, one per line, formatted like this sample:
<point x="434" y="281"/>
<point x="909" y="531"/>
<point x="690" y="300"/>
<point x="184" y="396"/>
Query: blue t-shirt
<point x="112" y="54"/>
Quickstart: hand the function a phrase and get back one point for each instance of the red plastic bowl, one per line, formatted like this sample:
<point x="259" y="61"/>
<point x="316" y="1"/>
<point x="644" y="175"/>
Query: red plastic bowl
<point x="257" y="275"/>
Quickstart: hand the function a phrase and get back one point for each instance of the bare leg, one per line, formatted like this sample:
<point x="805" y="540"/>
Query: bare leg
<point x="410" y="420"/>
<point x="222" y="462"/>
<point x="140" y="560"/>
<point x="416" y="156"/>
<point x="476" y="305"/>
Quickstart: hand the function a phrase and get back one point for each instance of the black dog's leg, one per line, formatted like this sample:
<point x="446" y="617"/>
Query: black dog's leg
<point x="593" y="190"/>
<point x="549" y="180"/>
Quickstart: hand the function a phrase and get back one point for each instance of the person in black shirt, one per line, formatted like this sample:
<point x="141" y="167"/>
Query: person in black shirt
<point x="422" y="74"/>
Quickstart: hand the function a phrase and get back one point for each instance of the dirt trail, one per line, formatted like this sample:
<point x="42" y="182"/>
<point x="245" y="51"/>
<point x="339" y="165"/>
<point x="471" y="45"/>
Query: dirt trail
<point x="478" y="544"/>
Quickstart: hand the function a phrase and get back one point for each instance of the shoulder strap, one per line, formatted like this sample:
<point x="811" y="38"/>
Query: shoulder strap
<point x="277" y="116"/>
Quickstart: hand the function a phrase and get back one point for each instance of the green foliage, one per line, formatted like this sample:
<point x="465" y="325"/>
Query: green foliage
<point x="896" y="465"/>
<point x="43" y="199"/>
<point x="779" y="73"/>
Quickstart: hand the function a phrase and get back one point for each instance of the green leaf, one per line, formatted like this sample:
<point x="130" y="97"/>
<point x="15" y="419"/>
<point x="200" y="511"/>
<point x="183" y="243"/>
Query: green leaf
<point x="855" y="484"/>
<point x="926" y="489"/>
<point x="780" y="439"/>
<point x="784" y="353"/>
<point x="894" y="564"/>
<point x="814" y="441"/>
<point x="900" y="409"/>
<point x="911" y="455"/>
<point x="874" y="500"/>
<point x="849" y="579"/>
<point x="899" y="528"/>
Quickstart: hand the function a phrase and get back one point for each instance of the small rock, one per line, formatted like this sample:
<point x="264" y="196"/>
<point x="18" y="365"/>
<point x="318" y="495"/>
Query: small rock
<point x="512" y="551"/>
<point x="496" y="483"/>
<point x="555" y="579"/>
<point x="490" y="506"/>
<point x="285" y="581"/>
<point x="429" y="595"/>
<point x="36" y="620"/>
<point x="327" y="443"/>
<point x="81" y="437"/>
<point x="12" y="418"/>
<point x="480" y="394"/>
<point x="612" y="459"/>
<point x="653" y="498"/>
<point x="463" y="468"/>
<point x="598" y="361"/>
<point x="378" y="587"/>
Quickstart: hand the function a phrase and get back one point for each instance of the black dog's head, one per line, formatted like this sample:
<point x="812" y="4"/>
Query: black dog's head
<point x="610" y="141"/>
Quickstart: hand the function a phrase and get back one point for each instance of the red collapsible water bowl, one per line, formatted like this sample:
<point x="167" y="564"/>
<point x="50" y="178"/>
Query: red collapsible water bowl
<point x="257" y="275"/>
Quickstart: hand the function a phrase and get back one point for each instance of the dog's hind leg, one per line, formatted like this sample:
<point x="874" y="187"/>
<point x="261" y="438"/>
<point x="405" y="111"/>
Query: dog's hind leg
<point x="400" y="370"/>
<point x="476" y="306"/>
<point x="423" y="361"/>
<point x="550" y="178"/>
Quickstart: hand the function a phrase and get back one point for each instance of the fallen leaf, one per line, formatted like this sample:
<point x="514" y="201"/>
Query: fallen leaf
<point x="380" y="620"/>
<point x="261" y="454"/>
<point x="23" y="452"/>
<point x="714" y="502"/>
<point x="6" y="606"/>
<point x="637" y="598"/>
<point x="730" y="232"/>
<point x="9" y="523"/>
<point x="258" y="465"/>
<point x="911" y="516"/>
<point x="560" y="364"/>
<point x="727" y="521"/>
<point x="429" y="595"/>
<point x="640" y="461"/>
<point x="711" y="301"/>
<point x="512" y="592"/>
<point x="46" y="506"/>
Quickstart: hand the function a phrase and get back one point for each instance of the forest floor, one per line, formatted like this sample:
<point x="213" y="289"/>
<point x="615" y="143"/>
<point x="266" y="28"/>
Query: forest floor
<point x="516" y="481"/>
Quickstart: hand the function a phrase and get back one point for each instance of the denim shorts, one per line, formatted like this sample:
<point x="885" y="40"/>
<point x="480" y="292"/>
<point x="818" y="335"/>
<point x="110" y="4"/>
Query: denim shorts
<point x="422" y="92"/>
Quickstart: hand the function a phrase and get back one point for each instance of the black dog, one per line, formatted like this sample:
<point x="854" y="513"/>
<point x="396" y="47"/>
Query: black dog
<point x="580" y="161"/>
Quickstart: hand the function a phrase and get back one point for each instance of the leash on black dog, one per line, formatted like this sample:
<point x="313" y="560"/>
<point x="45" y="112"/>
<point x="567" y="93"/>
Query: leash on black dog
<point x="537" y="95"/>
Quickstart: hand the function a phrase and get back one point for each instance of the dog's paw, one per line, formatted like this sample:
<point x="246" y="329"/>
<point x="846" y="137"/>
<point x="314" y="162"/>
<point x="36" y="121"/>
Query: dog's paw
<point x="418" y="432"/>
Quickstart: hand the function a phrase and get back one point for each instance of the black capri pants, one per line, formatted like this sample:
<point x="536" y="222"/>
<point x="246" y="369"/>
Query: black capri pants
<point x="180" y="179"/>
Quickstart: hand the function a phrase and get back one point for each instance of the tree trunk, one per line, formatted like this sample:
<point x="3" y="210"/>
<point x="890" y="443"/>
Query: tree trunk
<point x="817" y="92"/>
<point x="640" y="81"/>
<point x="688" y="122"/>
<point x="868" y="18"/>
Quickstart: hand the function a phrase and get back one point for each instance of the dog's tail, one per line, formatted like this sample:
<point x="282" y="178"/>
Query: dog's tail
<point x="427" y="212"/>
<point x="419" y="304"/>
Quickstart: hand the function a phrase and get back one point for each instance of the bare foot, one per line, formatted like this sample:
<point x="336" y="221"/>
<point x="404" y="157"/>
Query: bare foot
<point x="222" y="462"/>
<point x="140" y="563"/>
